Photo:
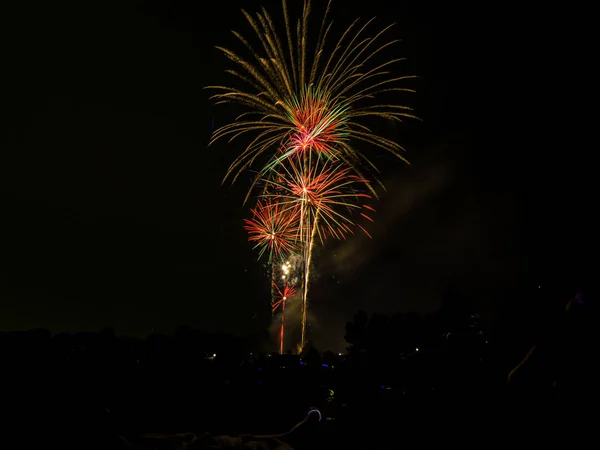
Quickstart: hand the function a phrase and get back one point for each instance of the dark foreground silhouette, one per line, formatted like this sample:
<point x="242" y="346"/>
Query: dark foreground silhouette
<point x="190" y="441"/>
<point x="431" y="381"/>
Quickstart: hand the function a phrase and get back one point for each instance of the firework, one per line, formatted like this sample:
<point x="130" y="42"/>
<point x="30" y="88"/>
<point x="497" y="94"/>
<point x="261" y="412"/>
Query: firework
<point x="310" y="101"/>
<point x="322" y="190"/>
<point x="273" y="229"/>
<point x="286" y="269"/>
<point x="284" y="295"/>
<point x="304" y="121"/>
<point x="326" y="194"/>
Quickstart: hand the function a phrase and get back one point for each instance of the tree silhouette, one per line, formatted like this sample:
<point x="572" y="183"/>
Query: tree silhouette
<point x="455" y="310"/>
<point x="328" y="357"/>
<point x="356" y="332"/>
<point x="310" y="354"/>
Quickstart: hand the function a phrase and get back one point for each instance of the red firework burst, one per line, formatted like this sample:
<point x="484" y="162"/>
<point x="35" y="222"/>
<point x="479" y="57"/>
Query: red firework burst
<point x="283" y="295"/>
<point x="319" y="125"/>
<point x="324" y="190"/>
<point x="274" y="228"/>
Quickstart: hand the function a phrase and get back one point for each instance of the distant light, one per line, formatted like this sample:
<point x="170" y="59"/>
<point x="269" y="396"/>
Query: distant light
<point x="324" y="365"/>
<point x="214" y="355"/>
<point x="416" y="349"/>
<point x="340" y="354"/>
<point x="317" y="411"/>
<point x="539" y="287"/>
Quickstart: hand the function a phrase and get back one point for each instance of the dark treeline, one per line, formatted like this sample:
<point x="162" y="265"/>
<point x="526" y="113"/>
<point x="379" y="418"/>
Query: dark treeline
<point x="442" y="371"/>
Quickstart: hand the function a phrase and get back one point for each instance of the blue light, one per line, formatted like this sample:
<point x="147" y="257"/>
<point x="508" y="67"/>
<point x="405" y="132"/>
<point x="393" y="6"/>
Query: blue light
<point x="317" y="411"/>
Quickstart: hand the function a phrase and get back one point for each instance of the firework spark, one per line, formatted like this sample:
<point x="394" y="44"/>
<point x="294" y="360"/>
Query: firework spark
<point x="273" y="228"/>
<point x="284" y="295"/>
<point x="305" y="120"/>
<point x="310" y="101"/>
<point x="319" y="189"/>
<point x="326" y="195"/>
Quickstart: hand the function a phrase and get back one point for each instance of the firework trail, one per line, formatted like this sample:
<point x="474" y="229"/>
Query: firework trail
<point x="304" y="120"/>
<point x="274" y="230"/>
<point x="284" y="295"/>
<point x="326" y="195"/>
<point x="308" y="259"/>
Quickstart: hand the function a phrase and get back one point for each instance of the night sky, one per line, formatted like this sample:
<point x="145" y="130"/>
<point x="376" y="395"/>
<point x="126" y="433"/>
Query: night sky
<point x="113" y="213"/>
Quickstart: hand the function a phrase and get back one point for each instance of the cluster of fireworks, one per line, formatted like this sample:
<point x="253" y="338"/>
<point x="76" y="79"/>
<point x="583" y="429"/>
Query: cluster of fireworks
<point x="305" y="112"/>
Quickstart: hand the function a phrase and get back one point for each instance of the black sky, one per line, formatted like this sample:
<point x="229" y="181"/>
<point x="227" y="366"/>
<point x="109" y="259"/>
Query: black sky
<point x="112" y="208"/>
